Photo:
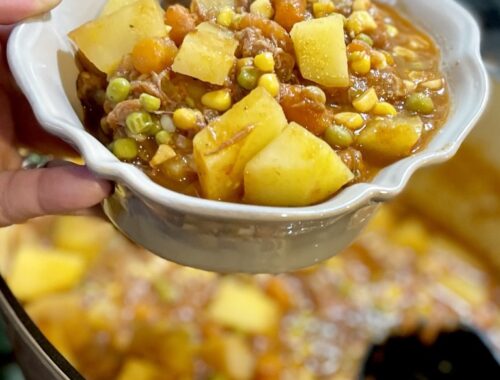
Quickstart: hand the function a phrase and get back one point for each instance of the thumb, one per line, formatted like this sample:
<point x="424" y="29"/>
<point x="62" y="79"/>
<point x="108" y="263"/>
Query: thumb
<point x="12" y="11"/>
<point x="26" y="194"/>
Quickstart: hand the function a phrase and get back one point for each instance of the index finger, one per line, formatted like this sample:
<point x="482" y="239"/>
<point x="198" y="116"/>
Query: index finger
<point x="26" y="194"/>
<point x="12" y="11"/>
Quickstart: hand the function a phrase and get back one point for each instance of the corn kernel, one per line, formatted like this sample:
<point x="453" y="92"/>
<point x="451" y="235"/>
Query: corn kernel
<point x="219" y="100"/>
<point x="366" y="101"/>
<point x="361" y="5"/>
<point x="264" y="62"/>
<point x="406" y="53"/>
<point x="388" y="57"/>
<point x="360" y="62"/>
<point x="323" y="8"/>
<point x="351" y="120"/>
<point x="418" y="76"/>
<point x="262" y="8"/>
<point x="391" y="30"/>
<point x="225" y="17"/>
<point x="270" y="83"/>
<point x="359" y="22"/>
<point x="410" y="85"/>
<point x="435" y="84"/>
<point x="162" y="155"/>
<point x="185" y="118"/>
<point x="384" y="109"/>
<point x="418" y="43"/>
<point x="379" y="60"/>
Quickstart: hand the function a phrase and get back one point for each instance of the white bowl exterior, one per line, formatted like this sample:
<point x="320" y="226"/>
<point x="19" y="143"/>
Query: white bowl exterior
<point x="40" y="55"/>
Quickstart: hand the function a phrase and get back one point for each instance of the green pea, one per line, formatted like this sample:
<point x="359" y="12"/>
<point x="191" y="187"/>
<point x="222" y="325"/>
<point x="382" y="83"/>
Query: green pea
<point x="150" y="103"/>
<point x="365" y="38"/>
<point x="154" y="129"/>
<point x="163" y="137"/>
<point x="118" y="90"/>
<point x="419" y="102"/>
<point x="139" y="122"/>
<point x="338" y="136"/>
<point x="248" y="77"/>
<point x="125" y="148"/>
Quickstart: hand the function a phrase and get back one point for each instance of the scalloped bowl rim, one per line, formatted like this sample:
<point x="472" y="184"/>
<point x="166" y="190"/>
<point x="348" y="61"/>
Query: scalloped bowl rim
<point x="106" y="165"/>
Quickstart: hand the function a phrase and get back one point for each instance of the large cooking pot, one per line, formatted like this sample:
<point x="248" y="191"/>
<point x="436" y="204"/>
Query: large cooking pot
<point x="38" y="359"/>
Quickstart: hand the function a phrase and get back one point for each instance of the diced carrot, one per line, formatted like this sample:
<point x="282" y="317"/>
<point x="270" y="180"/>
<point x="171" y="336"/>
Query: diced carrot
<point x="269" y="366"/>
<point x="277" y="289"/>
<point x="289" y="12"/>
<point x="304" y="110"/>
<point x="153" y="54"/>
<point x="181" y="21"/>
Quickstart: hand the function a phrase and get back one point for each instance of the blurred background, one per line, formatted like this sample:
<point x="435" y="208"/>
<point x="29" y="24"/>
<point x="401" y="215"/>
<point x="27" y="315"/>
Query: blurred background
<point x="416" y="297"/>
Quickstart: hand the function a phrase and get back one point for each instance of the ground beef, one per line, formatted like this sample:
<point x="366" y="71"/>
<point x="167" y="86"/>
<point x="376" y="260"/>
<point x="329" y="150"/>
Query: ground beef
<point x="387" y="83"/>
<point x="353" y="159"/>
<point x="253" y="41"/>
<point x="118" y="115"/>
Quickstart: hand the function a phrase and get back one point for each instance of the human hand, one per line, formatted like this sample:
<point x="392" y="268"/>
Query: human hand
<point x="26" y="194"/>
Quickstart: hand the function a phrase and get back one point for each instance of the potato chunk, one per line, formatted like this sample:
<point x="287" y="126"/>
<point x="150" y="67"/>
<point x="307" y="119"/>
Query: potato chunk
<point x="244" y="307"/>
<point x="230" y="354"/>
<point x="112" y="6"/>
<point x="92" y="237"/>
<point x="106" y="40"/>
<point x="207" y="54"/>
<point x="296" y="169"/>
<point x="37" y="272"/>
<point x="135" y="369"/>
<point x="222" y="150"/>
<point x="321" y="51"/>
<point x="205" y="7"/>
<point x="390" y="138"/>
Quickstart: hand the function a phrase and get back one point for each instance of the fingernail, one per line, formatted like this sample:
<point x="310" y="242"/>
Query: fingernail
<point x="45" y="5"/>
<point x="12" y="11"/>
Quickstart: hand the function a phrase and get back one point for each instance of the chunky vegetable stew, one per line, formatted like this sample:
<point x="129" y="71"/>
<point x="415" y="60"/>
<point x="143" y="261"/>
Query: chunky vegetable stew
<point x="279" y="103"/>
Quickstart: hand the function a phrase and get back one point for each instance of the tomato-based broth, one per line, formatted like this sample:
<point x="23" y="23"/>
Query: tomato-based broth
<point x="278" y="103"/>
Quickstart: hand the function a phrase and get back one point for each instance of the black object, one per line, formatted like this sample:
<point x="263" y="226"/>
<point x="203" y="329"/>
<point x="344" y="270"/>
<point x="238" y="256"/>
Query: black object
<point x="487" y="10"/>
<point x="457" y="355"/>
<point x="38" y="359"/>
<point x="487" y="13"/>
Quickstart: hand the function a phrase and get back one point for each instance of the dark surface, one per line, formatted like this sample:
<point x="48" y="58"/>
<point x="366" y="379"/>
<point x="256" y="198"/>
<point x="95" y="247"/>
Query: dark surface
<point x="487" y="10"/>
<point x="34" y="353"/>
<point x="487" y="13"/>
<point x="457" y="355"/>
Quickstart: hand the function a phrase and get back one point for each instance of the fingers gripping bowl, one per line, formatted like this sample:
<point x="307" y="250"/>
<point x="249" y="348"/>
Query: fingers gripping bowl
<point x="227" y="236"/>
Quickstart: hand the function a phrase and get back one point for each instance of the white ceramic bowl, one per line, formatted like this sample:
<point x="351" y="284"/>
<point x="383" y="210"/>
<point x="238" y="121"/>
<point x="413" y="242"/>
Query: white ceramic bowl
<point x="234" y="237"/>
